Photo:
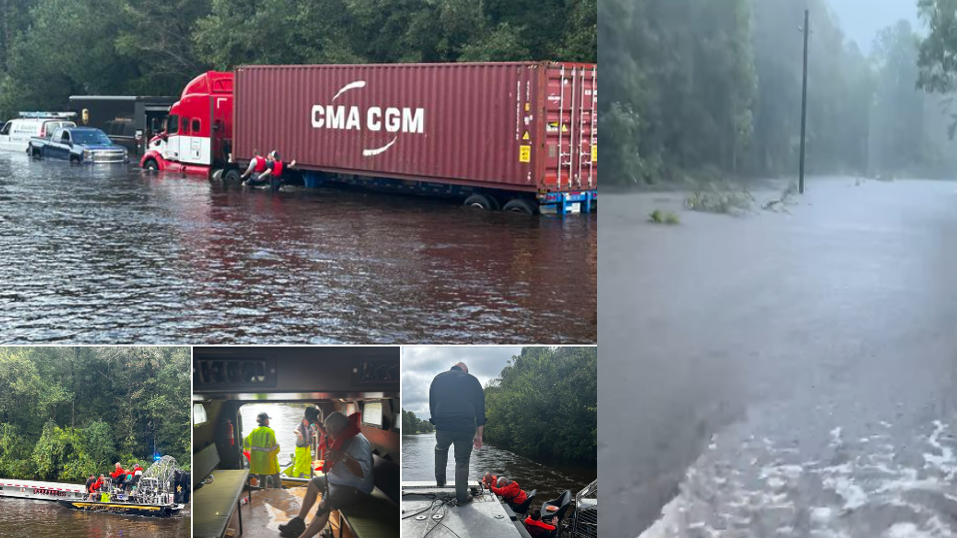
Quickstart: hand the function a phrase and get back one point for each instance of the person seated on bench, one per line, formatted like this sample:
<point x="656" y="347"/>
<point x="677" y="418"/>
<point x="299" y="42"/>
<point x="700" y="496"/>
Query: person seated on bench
<point x="537" y="527"/>
<point x="348" y="476"/>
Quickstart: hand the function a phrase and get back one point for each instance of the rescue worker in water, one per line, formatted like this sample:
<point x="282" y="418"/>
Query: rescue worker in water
<point x="264" y="451"/>
<point x="272" y="173"/>
<point x="256" y="166"/>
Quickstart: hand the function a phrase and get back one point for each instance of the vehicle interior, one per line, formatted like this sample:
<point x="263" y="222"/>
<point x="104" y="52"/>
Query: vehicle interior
<point x="232" y="385"/>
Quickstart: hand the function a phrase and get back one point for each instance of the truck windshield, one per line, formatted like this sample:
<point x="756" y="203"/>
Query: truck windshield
<point x="90" y="137"/>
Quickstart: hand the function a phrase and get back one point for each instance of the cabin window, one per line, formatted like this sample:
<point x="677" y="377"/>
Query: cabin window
<point x="372" y="413"/>
<point x="173" y="123"/>
<point x="66" y="136"/>
<point x="199" y="414"/>
<point x="195" y="126"/>
<point x="5" y="131"/>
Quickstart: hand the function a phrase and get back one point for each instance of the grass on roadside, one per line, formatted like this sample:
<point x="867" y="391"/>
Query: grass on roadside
<point x="664" y="217"/>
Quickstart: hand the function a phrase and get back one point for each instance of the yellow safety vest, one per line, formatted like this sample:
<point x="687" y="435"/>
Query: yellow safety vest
<point x="264" y="451"/>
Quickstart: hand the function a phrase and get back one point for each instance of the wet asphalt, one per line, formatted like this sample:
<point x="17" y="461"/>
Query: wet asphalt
<point x="781" y="374"/>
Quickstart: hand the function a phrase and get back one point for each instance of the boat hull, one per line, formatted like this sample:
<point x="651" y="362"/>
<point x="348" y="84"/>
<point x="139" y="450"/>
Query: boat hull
<point x="122" y="508"/>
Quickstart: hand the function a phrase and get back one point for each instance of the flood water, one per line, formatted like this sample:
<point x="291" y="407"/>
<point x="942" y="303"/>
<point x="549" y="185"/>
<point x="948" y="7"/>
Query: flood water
<point x="22" y="517"/>
<point x="113" y="254"/>
<point x="551" y="480"/>
<point x="283" y="419"/>
<point x="782" y="374"/>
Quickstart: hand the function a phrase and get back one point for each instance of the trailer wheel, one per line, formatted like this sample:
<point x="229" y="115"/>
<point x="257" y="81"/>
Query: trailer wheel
<point x="232" y="176"/>
<point x="482" y="201"/>
<point x="151" y="165"/>
<point x="520" y="205"/>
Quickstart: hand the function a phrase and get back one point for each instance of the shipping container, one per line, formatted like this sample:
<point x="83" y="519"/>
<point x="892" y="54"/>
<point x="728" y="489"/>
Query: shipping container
<point x="510" y="132"/>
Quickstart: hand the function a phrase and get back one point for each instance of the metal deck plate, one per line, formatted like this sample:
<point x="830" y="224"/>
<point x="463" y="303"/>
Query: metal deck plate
<point x="485" y="517"/>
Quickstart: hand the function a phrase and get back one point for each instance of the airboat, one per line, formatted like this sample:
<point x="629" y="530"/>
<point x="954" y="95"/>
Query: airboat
<point x="159" y="492"/>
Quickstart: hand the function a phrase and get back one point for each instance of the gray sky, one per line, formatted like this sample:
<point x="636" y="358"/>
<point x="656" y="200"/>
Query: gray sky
<point x="421" y="364"/>
<point x="862" y="19"/>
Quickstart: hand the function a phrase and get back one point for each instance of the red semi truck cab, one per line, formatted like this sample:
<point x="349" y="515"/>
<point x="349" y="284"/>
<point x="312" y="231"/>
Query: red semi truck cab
<point x="199" y="130"/>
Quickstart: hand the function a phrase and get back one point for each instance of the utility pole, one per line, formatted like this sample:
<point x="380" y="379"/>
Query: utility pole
<point x="806" y="30"/>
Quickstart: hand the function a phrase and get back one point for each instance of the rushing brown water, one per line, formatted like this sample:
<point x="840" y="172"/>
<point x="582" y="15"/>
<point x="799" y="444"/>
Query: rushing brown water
<point x="22" y="517"/>
<point x="418" y="460"/>
<point x="114" y="254"/>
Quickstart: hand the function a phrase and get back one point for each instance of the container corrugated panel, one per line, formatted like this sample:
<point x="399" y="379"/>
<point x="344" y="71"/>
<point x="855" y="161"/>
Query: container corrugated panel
<point x="483" y="125"/>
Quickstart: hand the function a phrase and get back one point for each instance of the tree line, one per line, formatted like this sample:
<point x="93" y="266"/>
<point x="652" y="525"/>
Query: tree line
<point x="412" y="424"/>
<point x="544" y="404"/>
<point x="66" y="413"/>
<point x="51" y="49"/>
<point x="712" y="88"/>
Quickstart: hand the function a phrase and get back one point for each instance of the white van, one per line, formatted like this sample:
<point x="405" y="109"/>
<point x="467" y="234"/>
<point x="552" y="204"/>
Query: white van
<point x="15" y="135"/>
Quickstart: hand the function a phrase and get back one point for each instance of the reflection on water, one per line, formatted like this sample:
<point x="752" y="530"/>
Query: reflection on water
<point x="113" y="254"/>
<point x="418" y="457"/>
<point x="21" y="517"/>
<point x="283" y="419"/>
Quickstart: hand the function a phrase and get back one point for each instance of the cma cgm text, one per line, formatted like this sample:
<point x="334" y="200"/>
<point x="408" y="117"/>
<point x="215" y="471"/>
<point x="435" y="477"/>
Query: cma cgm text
<point x="393" y="120"/>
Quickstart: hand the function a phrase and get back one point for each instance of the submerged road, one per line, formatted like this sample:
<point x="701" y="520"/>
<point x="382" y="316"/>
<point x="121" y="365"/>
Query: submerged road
<point x="781" y="375"/>
<point x="112" y="254"/>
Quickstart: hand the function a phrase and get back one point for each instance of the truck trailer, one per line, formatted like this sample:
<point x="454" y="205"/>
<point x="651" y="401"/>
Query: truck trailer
<point x="518" y="136"/>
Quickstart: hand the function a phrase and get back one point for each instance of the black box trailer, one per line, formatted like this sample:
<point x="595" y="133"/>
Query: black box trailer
<point x="129" y="120"/>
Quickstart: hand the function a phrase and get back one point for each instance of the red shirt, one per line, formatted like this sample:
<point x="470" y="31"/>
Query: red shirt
<point x="537" y="527"/>
<point x="96" y="485"/>
<point x="117" y="472"/>
<point x="511" y="493"/>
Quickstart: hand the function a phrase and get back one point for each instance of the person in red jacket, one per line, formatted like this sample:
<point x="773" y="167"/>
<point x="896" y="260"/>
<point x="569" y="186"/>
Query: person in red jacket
<point x="509" y="491"/>
<point x="95" y="487"/>
<point x="118" y="475"/>
<point x="489" y="480"/>
<point x="538" y="528"/>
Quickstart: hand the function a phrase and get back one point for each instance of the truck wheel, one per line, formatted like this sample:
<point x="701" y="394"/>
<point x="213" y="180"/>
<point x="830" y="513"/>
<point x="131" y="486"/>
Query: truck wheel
<point x="151" y="165"/>
<point x="232" y="176"/>
<point x="74" y="159"/>
<point x="520" y="205"/>
<point x="481" y="201"/>
<point x="34" y="152"/>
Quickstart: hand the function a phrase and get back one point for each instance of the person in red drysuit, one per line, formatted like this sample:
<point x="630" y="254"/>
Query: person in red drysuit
<point x="509" y="491"/>
<point x="537" y="527"/>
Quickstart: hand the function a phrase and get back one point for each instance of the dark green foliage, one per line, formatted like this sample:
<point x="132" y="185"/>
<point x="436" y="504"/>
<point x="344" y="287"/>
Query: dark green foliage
<point x="544" y="404"/>
<point x="118" y="47"/>
<point x="712" y="88"/>
<point x="412" y="424"/>
<point x="66" y="413"/>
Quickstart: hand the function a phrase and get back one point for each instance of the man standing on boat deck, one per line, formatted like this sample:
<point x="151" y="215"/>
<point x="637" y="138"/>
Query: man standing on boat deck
<point x="89" y="483"/>
<point x="457" y="408"/>
<point x="264" y="449"/>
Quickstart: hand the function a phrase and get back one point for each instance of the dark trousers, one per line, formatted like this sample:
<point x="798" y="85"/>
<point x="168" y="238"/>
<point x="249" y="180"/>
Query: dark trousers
<point x="462" y="441"/>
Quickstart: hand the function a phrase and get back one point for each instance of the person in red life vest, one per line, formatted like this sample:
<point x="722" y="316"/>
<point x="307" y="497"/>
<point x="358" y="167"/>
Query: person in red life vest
<point x="273" y="174"/>
<point x="118" y="475"/>
<point x="489" y="480"/>
<point x="347" y="481"/>
<point x="509" y="491"/>
<point x="89" y="483"/>
<point x="256" y="166"/>
<point x="538" y="528"/>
